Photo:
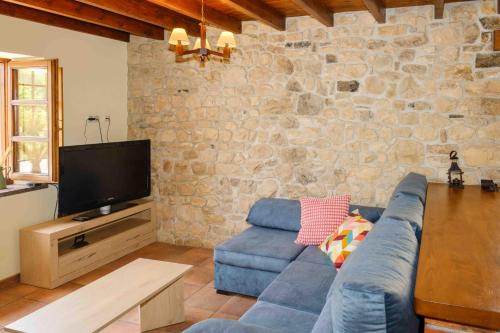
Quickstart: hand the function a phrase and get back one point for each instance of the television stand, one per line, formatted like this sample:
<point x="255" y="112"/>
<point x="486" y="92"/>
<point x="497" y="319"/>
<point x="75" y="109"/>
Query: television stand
<point x="103" y="211"/>
<point x="50" y="256"/>
<point x="79" y="242"/>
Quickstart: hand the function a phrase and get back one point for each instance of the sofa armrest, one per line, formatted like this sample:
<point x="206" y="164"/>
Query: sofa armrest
<point x="228" y="326"/>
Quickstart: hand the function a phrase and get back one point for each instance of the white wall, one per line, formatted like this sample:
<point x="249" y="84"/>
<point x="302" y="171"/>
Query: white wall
<point x="95" y="83"/>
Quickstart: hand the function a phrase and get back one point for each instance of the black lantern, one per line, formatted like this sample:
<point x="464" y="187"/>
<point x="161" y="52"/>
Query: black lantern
<point x="454" y="172"/>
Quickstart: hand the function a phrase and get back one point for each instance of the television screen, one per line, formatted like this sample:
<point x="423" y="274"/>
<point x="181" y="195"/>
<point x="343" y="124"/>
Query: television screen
<point x="96" y="175"/>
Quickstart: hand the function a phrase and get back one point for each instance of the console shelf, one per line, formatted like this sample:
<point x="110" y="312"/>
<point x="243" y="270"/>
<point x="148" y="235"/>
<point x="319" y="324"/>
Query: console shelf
<point x="48" y="259"/>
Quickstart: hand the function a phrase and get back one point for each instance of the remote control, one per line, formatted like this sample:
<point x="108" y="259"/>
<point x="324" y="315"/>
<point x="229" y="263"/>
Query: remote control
<point x="81" y="218"/>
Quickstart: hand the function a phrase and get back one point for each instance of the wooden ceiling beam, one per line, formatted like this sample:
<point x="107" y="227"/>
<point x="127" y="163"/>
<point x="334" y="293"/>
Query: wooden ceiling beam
<point x="38" y="16"/>
<point x="193" y="10"/>
<point x="259" y="11"/>
<point x="316" y="9"/>
<point x="148" y="12"/>
<point x="90" y="14"/>
<point x="377" y="9"/>
<point x="439" y="9"/>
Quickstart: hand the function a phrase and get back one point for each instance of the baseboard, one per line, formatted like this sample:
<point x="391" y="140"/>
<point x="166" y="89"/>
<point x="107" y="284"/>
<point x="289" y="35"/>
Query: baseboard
<point x="10" y="280"/>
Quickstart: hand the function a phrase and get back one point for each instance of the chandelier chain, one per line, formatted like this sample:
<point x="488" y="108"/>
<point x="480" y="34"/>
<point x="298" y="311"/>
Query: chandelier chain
<point x="203" y="11"/>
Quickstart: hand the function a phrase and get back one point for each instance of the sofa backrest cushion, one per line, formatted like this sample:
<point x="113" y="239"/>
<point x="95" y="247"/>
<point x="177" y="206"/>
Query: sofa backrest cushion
<point x="413" y="184"/>
<point x="373" y="291"/>
<point x="324" y="322"/>
<point x="372" y="214"/>
<point x="406" y="207"/>
<point x="276" y="213"/>
<point x="285" y="213"/>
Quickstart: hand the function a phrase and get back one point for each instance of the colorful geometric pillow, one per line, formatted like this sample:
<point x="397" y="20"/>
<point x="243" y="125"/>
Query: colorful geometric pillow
<point x="319" y="217"/>
<point x="339" y="245"/>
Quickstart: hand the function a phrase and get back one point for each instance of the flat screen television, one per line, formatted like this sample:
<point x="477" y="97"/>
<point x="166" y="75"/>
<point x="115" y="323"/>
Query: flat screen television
<point x="99" y="175"/>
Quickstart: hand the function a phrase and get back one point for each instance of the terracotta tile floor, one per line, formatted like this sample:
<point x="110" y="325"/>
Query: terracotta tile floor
<point x="201" y="300"/>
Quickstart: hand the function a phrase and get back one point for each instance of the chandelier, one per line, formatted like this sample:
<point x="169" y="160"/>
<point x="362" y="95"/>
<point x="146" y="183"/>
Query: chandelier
<point x="201" y="49"/>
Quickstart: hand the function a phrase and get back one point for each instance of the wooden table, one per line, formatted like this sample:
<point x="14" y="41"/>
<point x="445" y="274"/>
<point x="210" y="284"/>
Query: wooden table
<point x="458" y="277"/>
<point x="155" y="286"/>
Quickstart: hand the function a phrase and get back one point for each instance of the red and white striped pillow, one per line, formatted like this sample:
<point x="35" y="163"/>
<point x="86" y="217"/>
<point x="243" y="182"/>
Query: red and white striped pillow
<point x="319" y="217"/>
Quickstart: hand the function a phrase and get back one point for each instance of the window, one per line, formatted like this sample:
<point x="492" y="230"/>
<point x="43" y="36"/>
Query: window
<point x="33" y="118"/>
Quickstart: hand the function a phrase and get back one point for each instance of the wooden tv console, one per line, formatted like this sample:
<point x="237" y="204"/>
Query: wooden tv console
<point x="48" y="260"/>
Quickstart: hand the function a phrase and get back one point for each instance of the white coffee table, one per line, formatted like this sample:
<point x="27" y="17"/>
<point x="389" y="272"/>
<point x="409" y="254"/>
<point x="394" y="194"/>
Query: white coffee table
<point x="155" y="286"/>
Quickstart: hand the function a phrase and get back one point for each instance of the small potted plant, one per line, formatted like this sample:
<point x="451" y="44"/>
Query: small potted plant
<point x="4" y="168"/>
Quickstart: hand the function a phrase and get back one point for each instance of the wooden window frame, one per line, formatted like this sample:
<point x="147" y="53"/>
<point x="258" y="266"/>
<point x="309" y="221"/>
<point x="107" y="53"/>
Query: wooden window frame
<point x="3" y="103"/>
<point x="55" y="121"/>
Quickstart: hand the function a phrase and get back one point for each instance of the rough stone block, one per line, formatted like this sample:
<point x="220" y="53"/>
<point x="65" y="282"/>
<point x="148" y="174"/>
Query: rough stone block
<point x="350" y="86"/>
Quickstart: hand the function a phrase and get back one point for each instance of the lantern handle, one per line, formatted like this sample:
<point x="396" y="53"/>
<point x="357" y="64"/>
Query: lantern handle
<point x="453" y="155"/>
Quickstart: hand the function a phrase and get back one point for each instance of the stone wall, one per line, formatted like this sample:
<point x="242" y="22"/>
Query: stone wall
<point x="316" y="111"/>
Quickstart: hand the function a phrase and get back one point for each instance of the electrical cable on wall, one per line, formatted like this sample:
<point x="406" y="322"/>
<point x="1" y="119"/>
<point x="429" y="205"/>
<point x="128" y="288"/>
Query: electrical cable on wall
<point x="94" y="118"/>
<point x="85" y="130"/>
<point x="100" y="129"/>
<point x="108" y="119"/>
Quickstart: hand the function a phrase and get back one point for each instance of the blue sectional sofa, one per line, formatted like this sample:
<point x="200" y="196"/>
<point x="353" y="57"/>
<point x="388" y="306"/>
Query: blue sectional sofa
<point x="298" y="288"/>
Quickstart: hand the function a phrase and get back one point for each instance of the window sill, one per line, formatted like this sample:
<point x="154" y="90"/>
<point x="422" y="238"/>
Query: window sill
<point x="20" y="188"/>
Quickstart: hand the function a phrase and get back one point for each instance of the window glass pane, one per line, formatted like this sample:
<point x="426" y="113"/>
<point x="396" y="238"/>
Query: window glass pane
<point x="39" y="76"/>
<point x="24" y="92"/>
<point x="40" y="93"/>
<point x="32" y="157"/>
<point x="24" y="75"/>
<point x="29" y="83"/>
<point x="31" y="120"/>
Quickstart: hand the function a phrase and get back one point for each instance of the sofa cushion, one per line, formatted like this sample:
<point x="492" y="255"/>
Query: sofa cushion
<point x="245" y="281"/>
<point x="324" y="322"/>
<point x="314" y="255"/>
<point x="339" y="245"/>
<point x="413" y="184"/>
<point x="373" y="291"/>
<point x="372" y="214"/>
<point x="406" y="207"/>
<point x="259" y="248"/>
<point x="319" y="217"/>
<point x="275" y="316"/>
<point x="302" y="286"/>
<point x="229" y="326"/>
<point x="276" y="213"/>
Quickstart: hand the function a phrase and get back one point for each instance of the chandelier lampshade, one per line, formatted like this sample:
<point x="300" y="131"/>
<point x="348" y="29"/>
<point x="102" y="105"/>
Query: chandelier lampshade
<point x="179" y="36"/>
<point x="226" y="39"/>
<point x="197" y="44"/>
